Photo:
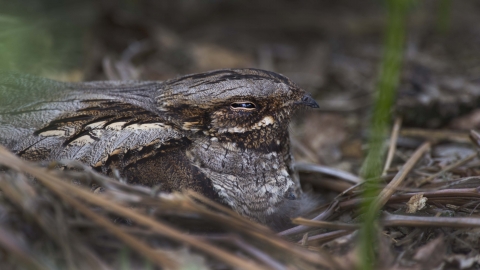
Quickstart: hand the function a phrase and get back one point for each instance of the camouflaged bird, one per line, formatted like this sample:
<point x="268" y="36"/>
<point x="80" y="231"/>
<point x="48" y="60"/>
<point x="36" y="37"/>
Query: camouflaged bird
<point x="222" y="133"/>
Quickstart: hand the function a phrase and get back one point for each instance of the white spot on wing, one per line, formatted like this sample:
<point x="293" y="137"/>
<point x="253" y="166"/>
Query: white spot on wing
<point x="85" y="139"/>
<point x="146" y="126"/>
<point x="53" y="133"/>
<point x="116" y="126"/>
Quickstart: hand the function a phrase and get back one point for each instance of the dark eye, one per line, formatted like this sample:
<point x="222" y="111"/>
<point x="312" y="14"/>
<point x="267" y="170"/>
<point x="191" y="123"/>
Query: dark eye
<point x="243" y="105"/>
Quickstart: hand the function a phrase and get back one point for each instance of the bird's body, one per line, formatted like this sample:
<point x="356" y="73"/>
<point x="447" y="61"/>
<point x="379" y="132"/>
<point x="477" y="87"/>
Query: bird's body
<point x="222" y="133"/>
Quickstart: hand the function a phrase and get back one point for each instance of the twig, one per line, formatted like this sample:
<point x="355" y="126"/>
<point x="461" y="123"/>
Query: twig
<point x="423" y="221"/>
<point x="446" y="169"/>
<point x="255" y="252"/>
<point x="308" y="167"/>
<point x="459" y="193"/>
<point x="324" y="215"/>
<point x="230" y="215"/>
<point x="436" y="135"/>
<point x="325" y="237"/>
<point x="389" y="220"/>
<point x="51" y="180"/>
<point x="157" y="256"/>
<point x="15" y="248"/>
<point x="258" y="231"/>
<point x="389" y="189"/>
<point x="393" y="143"/>
<point x="325" y="224"/>
<point x="348" y="190"/>
<point x="11" y="190"/>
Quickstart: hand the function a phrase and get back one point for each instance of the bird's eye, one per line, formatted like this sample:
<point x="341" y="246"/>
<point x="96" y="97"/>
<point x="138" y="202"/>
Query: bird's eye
<point x="243" y="105"/>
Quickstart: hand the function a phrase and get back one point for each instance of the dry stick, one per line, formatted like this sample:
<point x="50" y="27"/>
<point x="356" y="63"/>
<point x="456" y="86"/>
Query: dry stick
<point x="298" y="229"/>
<point x="348" y="190"/>
<point x="389" y="220"/>
<point x="50" y="180"/>
<point x="475" y="138"/>
<point x="320" y="258"/>
<point x="308" y="167"/>
<point x="15" y="248"/>
<point x="444" y="193"/>
<point x="12" y="194"/>
<point x="225" y="210"/>
<point x="464" y="182"/>
<point x="417" y="221"/>
<point x="446" y="169"/>
<point x="393" y="144"/>
<point x="265" y="234"/>
<point x="158" y="257"/>
<point x="389" y="189"/>
<point x="455" y="193"/>
<point x="259" y="254"/>
<point x="325" y="224"/>
<point x="436" y="135"/>
<point x="325" y="237"/>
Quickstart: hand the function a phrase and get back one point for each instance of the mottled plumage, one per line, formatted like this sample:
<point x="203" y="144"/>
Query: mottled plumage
<point x="222" y="133"/>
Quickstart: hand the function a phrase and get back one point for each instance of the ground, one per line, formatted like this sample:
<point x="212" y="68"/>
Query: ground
<point x="333" y="50"/>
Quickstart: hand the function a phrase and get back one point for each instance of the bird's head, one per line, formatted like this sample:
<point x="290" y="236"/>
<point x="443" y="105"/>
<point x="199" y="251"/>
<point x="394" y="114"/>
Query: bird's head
<point x="235" y="104"/>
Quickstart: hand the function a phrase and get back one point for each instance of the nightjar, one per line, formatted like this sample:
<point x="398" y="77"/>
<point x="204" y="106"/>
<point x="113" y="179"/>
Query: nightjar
<point x="222" y="133"/>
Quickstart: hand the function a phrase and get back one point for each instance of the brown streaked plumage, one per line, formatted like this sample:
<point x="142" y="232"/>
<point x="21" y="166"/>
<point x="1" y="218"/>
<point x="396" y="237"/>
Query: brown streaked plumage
<point x="223" y="133"/>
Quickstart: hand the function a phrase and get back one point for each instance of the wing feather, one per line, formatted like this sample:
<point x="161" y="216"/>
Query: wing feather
<point x="90" y="122"/>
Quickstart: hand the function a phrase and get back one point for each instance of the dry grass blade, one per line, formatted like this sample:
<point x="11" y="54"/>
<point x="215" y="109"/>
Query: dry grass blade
<point x="475" y="138"/>
<point x="158" y="257"/>
<point x="307" y="167"/>
<point x="51" y="180"/>
<point x="21" y="194"/>
<point x="325" y="224"/>
<point x="448" y="168"/>
<point x="390" y="220"/>
<point x="436" y="135"/>
<point x="423" y="221"/>
<point x="319" y="258"/>
<point x="7" y="242"/>
<point x="13" y="195"/>
<point x="393" y="143"/>
<point x="257" y="231"/>
<point x="329" y="236"/>
<point x="437" y="194"/>
<point x="230" y="215"/>
<point x="388" y="191"/>
<point x="445" y="193"/>
<point x="324" y="215"/>
<point x="257" y="253"/>
<point x="260" y="232"/>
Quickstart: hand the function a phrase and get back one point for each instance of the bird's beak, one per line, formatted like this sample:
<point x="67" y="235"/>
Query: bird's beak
<point x="307" y="100"/>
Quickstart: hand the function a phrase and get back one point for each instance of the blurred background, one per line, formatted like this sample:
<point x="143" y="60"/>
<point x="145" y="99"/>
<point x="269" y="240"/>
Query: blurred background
<point x="330" y="48"/>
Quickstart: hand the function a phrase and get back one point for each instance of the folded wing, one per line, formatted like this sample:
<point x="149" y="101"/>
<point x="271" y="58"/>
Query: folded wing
<point x="91" y="122"/>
